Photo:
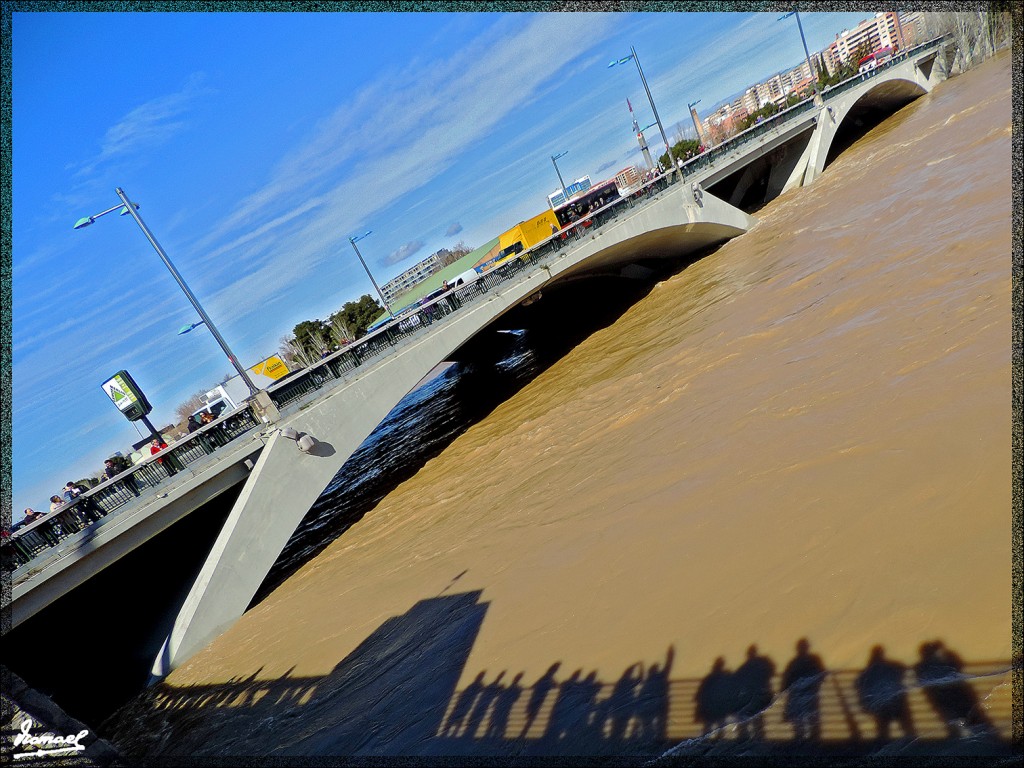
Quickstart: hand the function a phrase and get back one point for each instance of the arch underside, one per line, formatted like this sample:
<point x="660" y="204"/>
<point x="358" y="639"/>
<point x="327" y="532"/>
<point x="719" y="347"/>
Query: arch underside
<point x="874" y="106"/>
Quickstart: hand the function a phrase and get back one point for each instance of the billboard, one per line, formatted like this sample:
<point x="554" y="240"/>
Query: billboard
<point x="266" y="372"/>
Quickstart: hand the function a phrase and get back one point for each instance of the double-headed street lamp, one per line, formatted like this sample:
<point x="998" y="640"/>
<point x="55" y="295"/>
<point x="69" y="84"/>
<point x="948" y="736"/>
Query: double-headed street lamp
<point x="654" y="109"/>
<point x="128" y="208"/>
<point x="807" y="56"/>
<point x="565" y="194"/>
<point x="353" y="241"/>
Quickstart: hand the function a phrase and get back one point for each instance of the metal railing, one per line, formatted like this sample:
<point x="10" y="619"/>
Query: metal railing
<point x="93" y="506"/>
<point x="90" y="508"/>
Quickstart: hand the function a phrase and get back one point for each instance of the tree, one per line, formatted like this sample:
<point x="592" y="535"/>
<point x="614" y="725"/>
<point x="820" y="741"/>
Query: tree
<point x="683" y="150"/>
<point x="311" y="337"/>
<point x="190" y="406"/>
<point x="356" y="316"/>
<point x="450" y="256"/>
<point x="977" y="34"/>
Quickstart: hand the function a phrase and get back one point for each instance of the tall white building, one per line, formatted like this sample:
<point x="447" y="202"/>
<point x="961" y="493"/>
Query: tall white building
<point x="883" y="31"/>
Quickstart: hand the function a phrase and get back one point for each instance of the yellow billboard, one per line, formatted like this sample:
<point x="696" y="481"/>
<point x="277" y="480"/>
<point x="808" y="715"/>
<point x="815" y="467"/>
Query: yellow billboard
<point x="268" y="371"/>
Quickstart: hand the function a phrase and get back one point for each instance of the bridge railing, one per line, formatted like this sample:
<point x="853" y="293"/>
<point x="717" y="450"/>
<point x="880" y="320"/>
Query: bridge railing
<point x="345" y="361"/>
<point x="93" y="506"/>
<point x="895" y="61"/>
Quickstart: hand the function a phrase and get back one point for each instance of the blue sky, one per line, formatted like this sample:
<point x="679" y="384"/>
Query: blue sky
<point x="257" y="143"/>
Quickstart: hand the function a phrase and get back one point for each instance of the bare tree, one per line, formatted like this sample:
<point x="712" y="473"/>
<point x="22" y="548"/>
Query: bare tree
<point x="976" y="35"/>
<point x="190" y="406"/>
<point x="297" y="354"/>
<point x="340" y="332"/>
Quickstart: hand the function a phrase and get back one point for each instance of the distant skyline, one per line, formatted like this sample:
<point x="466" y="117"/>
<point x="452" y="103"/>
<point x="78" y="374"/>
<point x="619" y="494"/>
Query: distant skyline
<point x="257" y="143"/>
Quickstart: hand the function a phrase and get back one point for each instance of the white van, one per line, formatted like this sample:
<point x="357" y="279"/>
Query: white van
<point x="464" y="279"/>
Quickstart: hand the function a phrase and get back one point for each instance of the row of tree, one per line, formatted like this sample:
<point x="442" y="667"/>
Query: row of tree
<point x="683" y="150"/>
<point x="310" y="340"/>
<point x="976" y="34"/>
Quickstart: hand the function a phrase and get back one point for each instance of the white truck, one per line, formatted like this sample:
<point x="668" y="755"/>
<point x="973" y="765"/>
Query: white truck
<point x="224" y="397"/>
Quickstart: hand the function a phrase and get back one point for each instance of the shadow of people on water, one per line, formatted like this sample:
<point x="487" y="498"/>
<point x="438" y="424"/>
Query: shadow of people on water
<point x="715" y="699"/>
<point x="538" y="695"/>
<point x="802" y="680"/>
<point x="881" y="693"/>
<point x="397" y="694"/>
<point x="940" y="674"/>
<point x="620" y="709"/>
<point x="488" y="694"/>
<point x="464" y="705"/>
<point x="652" y="703"/>
<point x="754" y="692"/>
<point x="504" y="700"/>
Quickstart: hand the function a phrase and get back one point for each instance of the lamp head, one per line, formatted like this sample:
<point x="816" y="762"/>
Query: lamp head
<point x="82" y="223"/>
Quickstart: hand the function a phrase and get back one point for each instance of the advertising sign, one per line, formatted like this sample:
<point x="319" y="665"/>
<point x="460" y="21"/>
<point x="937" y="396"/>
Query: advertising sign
<point x="126" y="395"/>
<point x="268" y="371"/>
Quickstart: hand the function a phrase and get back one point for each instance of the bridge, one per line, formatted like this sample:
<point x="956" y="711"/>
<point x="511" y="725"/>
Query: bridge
<point x="284" y="446"/>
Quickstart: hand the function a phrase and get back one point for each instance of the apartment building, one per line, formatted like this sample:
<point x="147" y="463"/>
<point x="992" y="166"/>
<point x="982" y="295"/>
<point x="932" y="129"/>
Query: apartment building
<point x="885" y="30"/>
<point x="415" y="274"/>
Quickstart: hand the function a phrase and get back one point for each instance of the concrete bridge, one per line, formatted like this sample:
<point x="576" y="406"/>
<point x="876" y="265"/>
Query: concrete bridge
<point x="284" y="447"/>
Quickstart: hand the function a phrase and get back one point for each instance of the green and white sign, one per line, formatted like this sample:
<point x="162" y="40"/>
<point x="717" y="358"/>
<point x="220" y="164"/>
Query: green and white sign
<point x="126" y="395"/>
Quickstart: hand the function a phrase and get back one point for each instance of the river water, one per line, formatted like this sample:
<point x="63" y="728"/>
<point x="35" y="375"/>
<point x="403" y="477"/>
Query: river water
<point x="804" y="436"/>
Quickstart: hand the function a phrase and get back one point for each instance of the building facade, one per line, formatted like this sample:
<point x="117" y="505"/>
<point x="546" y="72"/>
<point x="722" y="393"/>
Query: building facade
<point x="885" y="30"/>
<point x="417" y="273"/>
<point x="556" y="198"/>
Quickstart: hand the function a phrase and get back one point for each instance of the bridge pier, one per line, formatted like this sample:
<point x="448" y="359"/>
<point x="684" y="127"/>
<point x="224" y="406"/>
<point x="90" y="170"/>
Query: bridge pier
<point x="915" y="77"/>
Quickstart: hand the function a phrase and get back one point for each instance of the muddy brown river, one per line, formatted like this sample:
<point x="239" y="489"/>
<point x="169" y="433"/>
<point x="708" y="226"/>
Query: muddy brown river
<point x="805" y="435"/>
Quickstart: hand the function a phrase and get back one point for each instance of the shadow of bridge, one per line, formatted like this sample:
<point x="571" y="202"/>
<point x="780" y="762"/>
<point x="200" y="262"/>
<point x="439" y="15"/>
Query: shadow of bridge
<point x="398" y="694"/>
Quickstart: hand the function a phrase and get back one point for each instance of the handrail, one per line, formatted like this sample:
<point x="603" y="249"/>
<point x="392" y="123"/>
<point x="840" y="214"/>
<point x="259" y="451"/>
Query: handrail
<point x="30" y="542"/>
<point x="90" y="508"/>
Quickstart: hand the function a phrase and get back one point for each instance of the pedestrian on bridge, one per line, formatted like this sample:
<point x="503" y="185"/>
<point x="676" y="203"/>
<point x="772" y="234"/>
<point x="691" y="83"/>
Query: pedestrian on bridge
<point x="110" y="470"/>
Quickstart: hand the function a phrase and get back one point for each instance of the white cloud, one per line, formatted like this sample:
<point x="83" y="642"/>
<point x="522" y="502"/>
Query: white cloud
<point x="148" y="125"/>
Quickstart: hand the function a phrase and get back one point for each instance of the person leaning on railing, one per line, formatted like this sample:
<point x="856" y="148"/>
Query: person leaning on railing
<point x="110" y="470"/>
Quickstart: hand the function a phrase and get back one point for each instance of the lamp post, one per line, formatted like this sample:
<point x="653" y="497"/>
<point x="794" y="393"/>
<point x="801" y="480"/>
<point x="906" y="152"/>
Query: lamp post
<point x="353" y="241"/>
<point x="654" y="109"/>
<point x="565" y="194"/>
<point x="129" y="208"/>
<point x="186" y="328"/>
<point x="807" y="56"/>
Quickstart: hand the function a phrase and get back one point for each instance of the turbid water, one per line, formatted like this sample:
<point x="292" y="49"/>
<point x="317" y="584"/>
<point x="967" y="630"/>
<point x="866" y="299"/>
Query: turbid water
<point x="803" y="436"/>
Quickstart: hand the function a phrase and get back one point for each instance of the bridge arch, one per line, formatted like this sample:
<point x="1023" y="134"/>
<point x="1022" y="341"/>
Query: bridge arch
<point x="868" y="111"/>
<point x="851" y="114"/>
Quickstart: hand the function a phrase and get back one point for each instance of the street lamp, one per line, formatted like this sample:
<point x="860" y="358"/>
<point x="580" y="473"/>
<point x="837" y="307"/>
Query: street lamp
<point x="186" y="328"/>
<point x="654" y="109"/>
<point x="814" y="80"/>
<point x="129" y="208"/>
<point x="353" y="241"/>
<point x="565" y="194"/>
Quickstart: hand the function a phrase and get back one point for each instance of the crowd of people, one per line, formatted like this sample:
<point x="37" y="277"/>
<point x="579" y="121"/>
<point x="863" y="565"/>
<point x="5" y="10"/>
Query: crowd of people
<point x="111" y="468"/>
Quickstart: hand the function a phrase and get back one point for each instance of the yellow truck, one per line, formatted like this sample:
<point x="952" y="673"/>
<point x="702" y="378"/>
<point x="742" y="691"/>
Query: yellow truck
<point x="526" y="234"/>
